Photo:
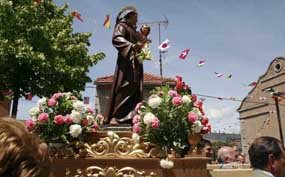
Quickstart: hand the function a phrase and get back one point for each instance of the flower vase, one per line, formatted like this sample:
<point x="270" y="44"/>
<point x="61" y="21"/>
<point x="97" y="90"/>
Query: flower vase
<point x="193" y="140"/>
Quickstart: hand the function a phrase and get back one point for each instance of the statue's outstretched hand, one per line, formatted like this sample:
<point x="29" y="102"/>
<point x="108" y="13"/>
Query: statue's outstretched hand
<point x="138" y="46"/>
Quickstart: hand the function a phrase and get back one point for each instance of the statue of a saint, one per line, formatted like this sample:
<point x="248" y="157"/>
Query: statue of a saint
<point x="128" y="77"/>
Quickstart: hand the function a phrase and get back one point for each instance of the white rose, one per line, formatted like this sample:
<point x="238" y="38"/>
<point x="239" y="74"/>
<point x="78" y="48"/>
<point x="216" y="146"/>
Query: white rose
<point x="154" y="101"/>
<point x="42" y="103"/>
<point x="78" y="105"/>
<point x="90" y="119"/>
<point x="197" y="111"/>
<point x="148" y="117"/>
<point x="197" y="126"/>
<point x="34" y="111"/>
<point x="75" y="130"/>
<point x="136" y="138"/>
<point x="76" y="116"/>
<point x="186" y="99"/>
<point x="166" y="163"/>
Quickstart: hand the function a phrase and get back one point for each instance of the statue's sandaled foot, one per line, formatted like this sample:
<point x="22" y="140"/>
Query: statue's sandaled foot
<point x="113" y="122"/>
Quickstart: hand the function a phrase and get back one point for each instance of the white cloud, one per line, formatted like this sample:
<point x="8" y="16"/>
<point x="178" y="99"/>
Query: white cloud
<point x="224" y="119"/>
<point x="220" y="112"/>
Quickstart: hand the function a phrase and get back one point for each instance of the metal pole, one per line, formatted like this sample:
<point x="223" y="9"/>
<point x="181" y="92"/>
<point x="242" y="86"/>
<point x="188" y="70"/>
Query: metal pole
<point x="279" y="119"/>
<point x="159" y="41"/>
<point x="160" y="56"/>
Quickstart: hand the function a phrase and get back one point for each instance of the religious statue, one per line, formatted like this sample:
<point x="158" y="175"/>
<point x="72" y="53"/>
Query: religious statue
<point x="127" y="83"/>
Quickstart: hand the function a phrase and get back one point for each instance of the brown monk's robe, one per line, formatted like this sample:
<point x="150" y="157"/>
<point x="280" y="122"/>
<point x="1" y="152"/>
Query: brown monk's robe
<point x="128" y="77"/>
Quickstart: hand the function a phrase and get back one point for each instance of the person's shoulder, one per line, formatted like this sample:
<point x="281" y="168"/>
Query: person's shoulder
<point x="260" y="173"/>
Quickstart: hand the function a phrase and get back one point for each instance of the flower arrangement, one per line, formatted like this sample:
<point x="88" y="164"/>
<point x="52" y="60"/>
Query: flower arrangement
<point x="145" y="53"/>
<point x="170" y="117"/>
<point x="63" y="118"/>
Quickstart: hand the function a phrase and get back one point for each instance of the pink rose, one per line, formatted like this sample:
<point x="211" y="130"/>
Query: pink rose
<point x="100" y="117"/>
<point x="43" y="117"/>
<point x="84" y="122"/>
<point x="52" y="102"/>
<point x="58" y="95"/>
<point x="90" y="110"/>
<point x="206" y="129"/>
<point x="30" y="124"/>
<point x="136" y="128"/>
<point x="176" y="101"/>
<point x="136" y="119"/>
<point x="95" y="127"/>
<point x="138" y="106"/>
<point x="172" y="93"/>
<point x="68" y="119"/>
<point x="192" y="117"/>
<point x="194" y="98"/>
<point x="155" y="123"/>
<point x="58" y="119"/>
<point x="199" y="105"/>
<point x="205" y="120"/>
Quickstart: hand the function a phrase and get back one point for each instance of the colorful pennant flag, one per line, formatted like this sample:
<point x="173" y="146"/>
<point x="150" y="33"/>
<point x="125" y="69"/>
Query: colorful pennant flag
<point x="86" y="100"/>
<point x="184" y="54"/>
<point x="77" y="15"/>
<point x="107" y="22"/>
<point x="219" y="74"/>
<point x="253" y="84"/>
<point x="164" y="45"/>
<point x="201" y="63"/>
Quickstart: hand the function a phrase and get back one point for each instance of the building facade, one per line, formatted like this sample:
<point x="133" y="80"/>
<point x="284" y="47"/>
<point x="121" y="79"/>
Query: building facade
<point x="104" y="84"/>
<point x="258" y="111"/>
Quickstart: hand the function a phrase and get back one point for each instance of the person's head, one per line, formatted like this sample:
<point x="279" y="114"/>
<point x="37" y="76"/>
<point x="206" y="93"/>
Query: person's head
<point x="206" y="145"/>
<point x="241" y="158"/>
<point x="226" y="154"/>
<point x="267" y="153"/>
<point x="128" y="14"/>
<point x="21" y="154"/>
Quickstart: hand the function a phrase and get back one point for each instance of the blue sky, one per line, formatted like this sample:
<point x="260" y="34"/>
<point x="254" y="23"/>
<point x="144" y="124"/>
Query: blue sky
<point x="234" y="37"/>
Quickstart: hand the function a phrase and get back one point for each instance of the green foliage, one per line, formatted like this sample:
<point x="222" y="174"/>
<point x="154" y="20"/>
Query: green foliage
<point x="39" y="52"/>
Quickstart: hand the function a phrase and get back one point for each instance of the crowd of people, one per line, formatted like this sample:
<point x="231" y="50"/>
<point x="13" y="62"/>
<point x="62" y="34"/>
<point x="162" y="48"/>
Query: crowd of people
<point x="266" y="156"/>
<point x="223" y="155"/>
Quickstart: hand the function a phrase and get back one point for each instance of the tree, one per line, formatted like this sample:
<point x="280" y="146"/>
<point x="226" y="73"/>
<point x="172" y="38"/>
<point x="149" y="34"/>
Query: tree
<point x="39" y="52"/>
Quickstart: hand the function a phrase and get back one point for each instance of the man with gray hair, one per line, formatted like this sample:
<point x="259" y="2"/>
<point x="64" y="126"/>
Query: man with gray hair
<point x="226" y="157"/>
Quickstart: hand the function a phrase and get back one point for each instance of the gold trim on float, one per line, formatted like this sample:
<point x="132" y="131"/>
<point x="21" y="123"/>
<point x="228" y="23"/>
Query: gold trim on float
<point x="109" y="172"/>
<point x="114" y="146"/>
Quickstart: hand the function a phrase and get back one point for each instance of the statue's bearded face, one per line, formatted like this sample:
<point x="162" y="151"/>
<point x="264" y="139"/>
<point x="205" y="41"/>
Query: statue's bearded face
<point x="133" y="19"/>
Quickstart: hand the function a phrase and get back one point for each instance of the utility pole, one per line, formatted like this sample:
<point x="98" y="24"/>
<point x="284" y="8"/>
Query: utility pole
<point x="275" y="96"/>
<point x="159" y="23"/>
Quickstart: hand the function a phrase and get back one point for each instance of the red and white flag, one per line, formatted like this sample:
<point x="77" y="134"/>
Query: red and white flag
<point x="77" y="15"/>
<point x="184" y="54"/>
<point x="164" y="45"/>
<point x="201" y="63"/>
<point x="219" y="74"/>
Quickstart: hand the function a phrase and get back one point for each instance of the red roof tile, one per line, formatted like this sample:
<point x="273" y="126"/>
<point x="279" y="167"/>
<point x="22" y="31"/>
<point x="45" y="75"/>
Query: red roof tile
<point x="149" y="79"/>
